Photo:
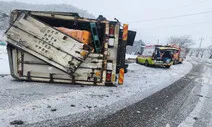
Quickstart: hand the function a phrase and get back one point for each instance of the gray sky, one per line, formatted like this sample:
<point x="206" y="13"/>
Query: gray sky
<point x="138" y="10"/>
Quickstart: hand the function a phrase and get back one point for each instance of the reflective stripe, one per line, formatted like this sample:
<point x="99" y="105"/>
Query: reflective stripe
<point x="121" y="76"/>
<point x="125" y="32"/>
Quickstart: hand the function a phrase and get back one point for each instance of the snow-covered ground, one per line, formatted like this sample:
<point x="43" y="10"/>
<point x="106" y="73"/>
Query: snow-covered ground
<point x="129" y="56"/>
<point x="33" y="102"/>
<point x="4" y="66"/>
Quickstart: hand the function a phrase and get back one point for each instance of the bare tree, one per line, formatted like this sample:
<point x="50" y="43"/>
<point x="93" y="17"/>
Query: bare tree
<point x="182" y="41"/>
<point x="201" y="52"/>
<point x="191" y="52"/>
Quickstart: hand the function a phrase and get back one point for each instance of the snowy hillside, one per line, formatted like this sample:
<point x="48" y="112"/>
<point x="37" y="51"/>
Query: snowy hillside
<point x="135" y="48"/>
<point x="7" y="7"/>
<point x="4" y="24"/>
<point x="4" y="69"/>
<point x="4" y="21"/>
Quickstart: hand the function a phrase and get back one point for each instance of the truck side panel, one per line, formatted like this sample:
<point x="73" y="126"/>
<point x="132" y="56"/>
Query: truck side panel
<point x="26" y="64"/>
<point x="42" y="40"/>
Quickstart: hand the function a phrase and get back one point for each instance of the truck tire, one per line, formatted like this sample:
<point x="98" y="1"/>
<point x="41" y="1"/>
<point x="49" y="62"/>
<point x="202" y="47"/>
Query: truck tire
<point x="167" y="66"/>
<point x="175" y="62"/>
<point x="136" y="60"/>
<point x="125" y="70"/>
<point x="146" y="63"/>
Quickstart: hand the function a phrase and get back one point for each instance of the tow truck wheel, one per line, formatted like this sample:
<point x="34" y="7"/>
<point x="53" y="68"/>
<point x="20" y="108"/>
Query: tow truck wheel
<point x="146" y="63"/>
<point x="167" y="66"/>
<point x="137" y="60"/>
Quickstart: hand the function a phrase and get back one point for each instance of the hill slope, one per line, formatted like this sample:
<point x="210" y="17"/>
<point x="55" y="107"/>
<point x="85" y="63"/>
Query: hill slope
<point x="7" y="7"/>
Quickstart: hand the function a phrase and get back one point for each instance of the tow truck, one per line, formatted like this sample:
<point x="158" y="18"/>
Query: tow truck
<point x="155" y="55"/>
<point x="178" y="53"/>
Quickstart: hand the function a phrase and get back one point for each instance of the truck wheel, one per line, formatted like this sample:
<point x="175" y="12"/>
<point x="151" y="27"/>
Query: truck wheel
<point x="146" y="63"/>
<point x="175" y="62"/>
<point x="136" y="60"/>
<point x="167" y="66"/>
<point x="125" y="70"/>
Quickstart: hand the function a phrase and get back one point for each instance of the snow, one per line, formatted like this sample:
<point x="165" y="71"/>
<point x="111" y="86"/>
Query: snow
<point x="4" y="64"/>
<point x="19" y="100"/>
<point x="130" y="56"/>
<point x="205" y="81"/>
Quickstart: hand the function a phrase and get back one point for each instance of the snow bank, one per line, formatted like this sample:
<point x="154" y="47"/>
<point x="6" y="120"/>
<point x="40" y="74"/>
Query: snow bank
<point x="4" y="64"/>
<point x="129" y="56"/>
<point x="19" y="100"/>
<point x="204" y="104"/>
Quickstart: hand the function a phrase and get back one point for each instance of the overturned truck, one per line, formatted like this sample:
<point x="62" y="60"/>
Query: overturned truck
<point x="66" y="48"/>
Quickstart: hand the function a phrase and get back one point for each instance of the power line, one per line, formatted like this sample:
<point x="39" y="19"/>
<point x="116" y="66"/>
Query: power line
<point x="171" y="17"/>
<point x="180" y="25"/>
<point x="202" y="1"/>
<point x="187" y="5"/>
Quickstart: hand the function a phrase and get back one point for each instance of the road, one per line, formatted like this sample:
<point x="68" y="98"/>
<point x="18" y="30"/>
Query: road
<point x="64" y="104"/>
<point x="149" y="97"/>
<point x="185" y="103"/>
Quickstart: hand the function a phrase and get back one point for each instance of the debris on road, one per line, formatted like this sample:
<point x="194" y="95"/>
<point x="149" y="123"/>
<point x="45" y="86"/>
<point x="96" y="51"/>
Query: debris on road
<point x="72" y="105"/>
<point x="54" y="109"/>
<point x="17" y="122"/>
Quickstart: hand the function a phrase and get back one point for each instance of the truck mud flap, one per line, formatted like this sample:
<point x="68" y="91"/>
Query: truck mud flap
<point x="47" y="43"/>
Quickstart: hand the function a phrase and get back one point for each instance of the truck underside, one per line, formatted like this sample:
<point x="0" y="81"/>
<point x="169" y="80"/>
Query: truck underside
<point x="39" y="52"/>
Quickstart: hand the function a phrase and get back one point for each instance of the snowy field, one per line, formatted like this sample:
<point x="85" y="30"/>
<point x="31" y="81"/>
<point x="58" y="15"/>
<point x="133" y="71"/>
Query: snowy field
<point x="129" y="56"/>
<point x="4" y="66"/>
<point x="34" y="102"/>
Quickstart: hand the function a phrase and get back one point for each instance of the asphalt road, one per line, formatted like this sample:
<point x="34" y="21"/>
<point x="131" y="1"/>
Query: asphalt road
<point x="168" y="107"/>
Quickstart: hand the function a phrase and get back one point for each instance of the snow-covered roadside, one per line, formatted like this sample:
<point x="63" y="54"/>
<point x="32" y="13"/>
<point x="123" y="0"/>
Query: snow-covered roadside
<point x="4" y="64"/>
<point x="129" y="56"/>
<point x="203" y="109"/>
<point x="33" y="102"/>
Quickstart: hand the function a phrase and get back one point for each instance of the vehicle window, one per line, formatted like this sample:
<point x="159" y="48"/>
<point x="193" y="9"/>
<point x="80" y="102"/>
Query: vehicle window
<point x="148" y="52"/>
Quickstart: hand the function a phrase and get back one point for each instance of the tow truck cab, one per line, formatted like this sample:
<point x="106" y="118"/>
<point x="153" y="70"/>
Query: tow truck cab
<point x="178" y="53"/>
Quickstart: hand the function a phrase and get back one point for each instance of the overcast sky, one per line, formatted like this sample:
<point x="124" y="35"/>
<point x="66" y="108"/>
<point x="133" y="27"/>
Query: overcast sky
<point x="134" y="11"/>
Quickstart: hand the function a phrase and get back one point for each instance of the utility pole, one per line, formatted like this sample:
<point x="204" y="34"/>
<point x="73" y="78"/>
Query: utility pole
<point x="158" y="41"/>
<point x="200" y="44"/>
